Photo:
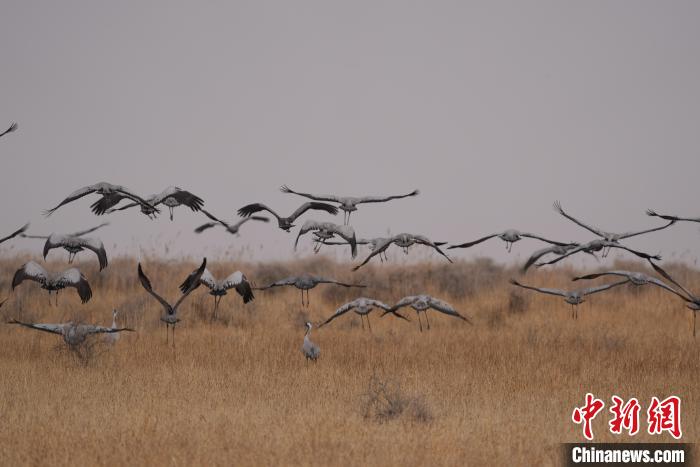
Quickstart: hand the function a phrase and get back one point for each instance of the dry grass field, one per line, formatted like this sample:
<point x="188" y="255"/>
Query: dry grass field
<point x="237" y="391"/>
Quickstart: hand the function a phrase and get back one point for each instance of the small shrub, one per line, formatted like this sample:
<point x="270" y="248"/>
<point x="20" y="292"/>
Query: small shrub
<point x="385" y="401"/>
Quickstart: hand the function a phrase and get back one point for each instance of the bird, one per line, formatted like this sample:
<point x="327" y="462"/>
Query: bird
<point x="54" y="281"/>
<point x="598" y="245"/>
<point x="310" y="350"/>
<point x="362" y="306"/>
<point x="651" y="212"/>
<point x="286" y="223"/>
<point x="17" y="232"/>
<point x="230" y="228"/>
<point x="423" y="303"/>
<point x="324" y="231"/>
<point x="219" y="288"/>
<point x="106" y="190"/>
<point x="348" y="203"/>
<point x="13" y="127"/>
<point x="169" y="316"/>
<point x="74" y="243"/>
<point x="112" y="337"/>
<point x="403" y="240"/>
<point x="572" y="297"/>
<point x="306" y="282"/>
<point x="74" y="334"/>
<point x="509" y="236"/>
<point x="171" y="197"/>
<point x="608" y="236"/>
<point x="693" y="301"/>
<point x="555" y="249"/>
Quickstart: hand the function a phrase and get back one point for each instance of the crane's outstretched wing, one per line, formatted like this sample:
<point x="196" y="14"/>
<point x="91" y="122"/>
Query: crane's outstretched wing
<point x="52" y="328"/>
<point x="196" y="278"/>
<point x="558" y="292"/>
<point x="74" y="278"/>
<point x="106" y="203"/>
<point x="542" y="239"/>
<point x="600" y="288"/>
<point x="633" y="234"/>
<point x="85" y="232"/>
<point x="146" y="283"/>
<point x="446" y="308"/>
<point x="323" y="280"/>
<point x="280" y="283"/>
<point x="13" y="127"/>
<point x="250" y="209"/>
<point x="595" y="230"/>
<point x="382" y="199"/>
<point x="95" y="245"/>
<point x="475" y="242"/>
<point x="426" y="241"/>
<point x="329" y="198"/>
<point x="689" y="296"/>
<point x="240" y="282"/>
<point x="651" y="212"/>
<point x="77" y="194"/>
<point x="30" y="271"/>
<point x="184" y="197"/>
<point x="315" y="206"/>
<point x="102" y="330"/>
<point x="19" y="231"/>
<point x="381" y="247"/>
<point x="205" y="278"/>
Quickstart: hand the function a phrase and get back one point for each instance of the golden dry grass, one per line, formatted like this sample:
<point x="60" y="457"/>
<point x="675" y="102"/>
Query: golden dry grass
<point x="238" y="391"/>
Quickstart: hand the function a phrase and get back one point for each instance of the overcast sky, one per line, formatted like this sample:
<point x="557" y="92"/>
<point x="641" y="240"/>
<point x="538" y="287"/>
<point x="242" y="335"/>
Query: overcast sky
<point x="492" y="109"/>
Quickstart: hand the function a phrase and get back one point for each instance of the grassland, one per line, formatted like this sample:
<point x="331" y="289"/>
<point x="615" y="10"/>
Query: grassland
<point x="237" y="391"/>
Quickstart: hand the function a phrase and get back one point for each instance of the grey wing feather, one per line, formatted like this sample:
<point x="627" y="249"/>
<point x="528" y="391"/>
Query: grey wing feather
<point x="560" y="210"/>
<point x="31" y="271"/>
<point x="52" y="328"/>
<point x="592" y="290"/>
<point x="475" y="242"/>
<point x="381" y="199"/>
<point x="74" y="278"/>
<point x="544" y="290"/>
<point x="20" y="231"/>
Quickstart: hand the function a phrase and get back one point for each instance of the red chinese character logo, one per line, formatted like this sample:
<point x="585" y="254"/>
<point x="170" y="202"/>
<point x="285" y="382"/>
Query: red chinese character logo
<point x="626" y="416"/>
<point x="665" y="416"/>
<point x="587" y="413"/>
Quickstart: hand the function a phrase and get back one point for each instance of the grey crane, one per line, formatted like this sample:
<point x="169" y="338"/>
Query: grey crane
<point x="423" y="303"/>
<point x="106" y="190"/>
<point x="362" y="306"/>
<point x="171" y="197"/>
<point x="324" y="231"/>
<point x="404" y="241"/>
<point x="74" y="334"/>
<point x="608" y="236"/>
<point x="310" y="350"/>
<point x="112" y="337"/>
<point x="509" y="236"/>
<point x="651" y="212"/>
<point x="572" y="297"/>
<point x="286" y="223"/>
<point x="693" y="301"/>
<point x="169" y="316"/>
<point x="54" y="281"/>
<point x="74" y="243"/>
<point x="553" y="249"/>
<point x="230" y="228"/>
<point x="306" y="282"/>
<point x="219" y="288"/>
<point x="13" y="127"/>
<point x="598" y="245"/>
<point x="348" y="203"/>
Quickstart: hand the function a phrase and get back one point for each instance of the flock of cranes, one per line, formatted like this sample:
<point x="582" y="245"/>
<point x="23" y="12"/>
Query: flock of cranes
<point x="322" y="233"/>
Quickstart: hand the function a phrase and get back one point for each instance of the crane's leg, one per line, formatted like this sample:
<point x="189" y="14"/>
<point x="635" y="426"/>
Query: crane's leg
<point x="572" y="311"/>
<point x="695" y="315"/>
<point x="369" y="325"/>
<point x="420" y="324"/>
<point x="171" y="212"/>
<point x="57" y="298"/>
<point x="426" y="319"/>
<point x="167" y="331"/>
<point x="363" y="322"/>
<point x="173" y="336"/>
<point x="308" y="300"/>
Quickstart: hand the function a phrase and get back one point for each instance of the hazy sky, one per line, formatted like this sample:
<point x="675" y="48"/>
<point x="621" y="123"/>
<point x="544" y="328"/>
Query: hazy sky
<point x="493" y="109"/>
